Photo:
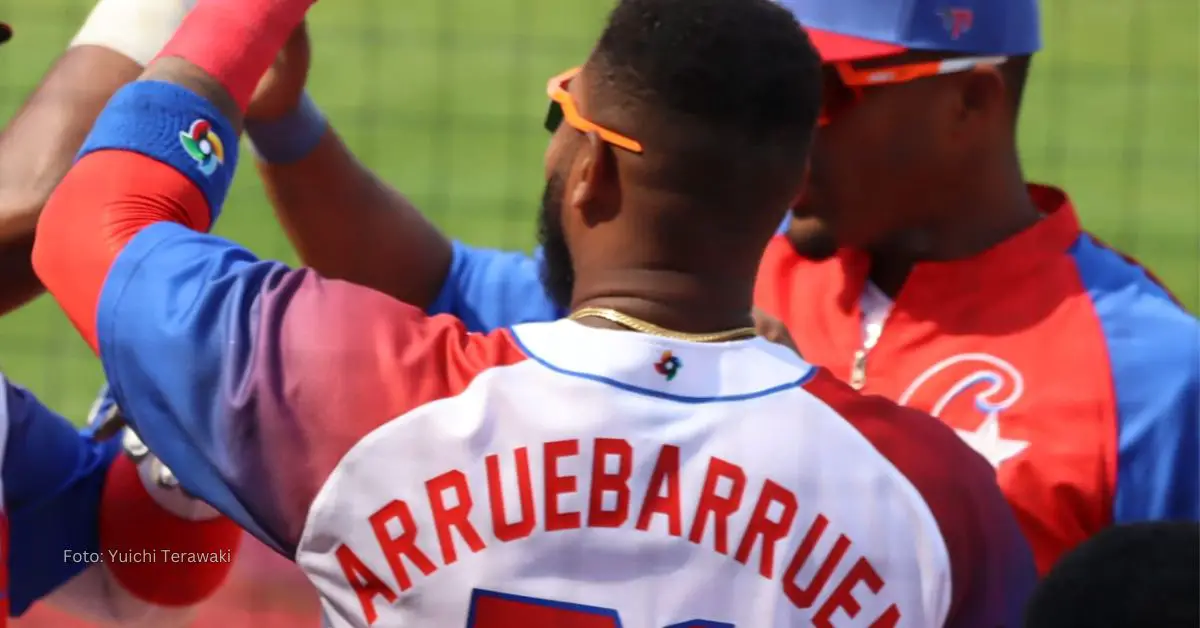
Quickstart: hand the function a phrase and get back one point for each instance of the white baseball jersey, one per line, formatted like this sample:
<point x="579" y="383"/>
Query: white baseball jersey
<point x="619" y="479"/>
<point x="556" y="475"/>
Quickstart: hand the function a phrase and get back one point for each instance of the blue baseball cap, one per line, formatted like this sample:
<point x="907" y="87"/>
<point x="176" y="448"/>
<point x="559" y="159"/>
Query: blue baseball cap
<point x="853" y="30"/>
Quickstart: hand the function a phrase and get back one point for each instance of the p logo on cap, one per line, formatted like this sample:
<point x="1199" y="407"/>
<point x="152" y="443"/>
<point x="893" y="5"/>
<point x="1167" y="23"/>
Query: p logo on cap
<point x="857" y="30"/>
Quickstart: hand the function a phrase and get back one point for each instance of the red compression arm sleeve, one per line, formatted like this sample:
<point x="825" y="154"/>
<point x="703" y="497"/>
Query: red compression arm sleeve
<point x="236" y="41"/>
<point x="105" y="200"/>
<point x="131" y="522"/>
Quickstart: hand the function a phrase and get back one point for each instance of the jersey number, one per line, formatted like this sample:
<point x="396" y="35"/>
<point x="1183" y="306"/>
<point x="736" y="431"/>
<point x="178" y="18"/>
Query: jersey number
<point x="490" y="609"/>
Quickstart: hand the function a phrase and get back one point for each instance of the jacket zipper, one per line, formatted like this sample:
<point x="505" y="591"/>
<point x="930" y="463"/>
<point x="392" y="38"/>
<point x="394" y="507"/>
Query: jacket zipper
<point x="858" y="369"/>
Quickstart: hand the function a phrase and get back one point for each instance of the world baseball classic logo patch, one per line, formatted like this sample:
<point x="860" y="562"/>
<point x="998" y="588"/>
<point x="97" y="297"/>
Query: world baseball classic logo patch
<point x="203" y="146"/>
<point x="668" y="365"/>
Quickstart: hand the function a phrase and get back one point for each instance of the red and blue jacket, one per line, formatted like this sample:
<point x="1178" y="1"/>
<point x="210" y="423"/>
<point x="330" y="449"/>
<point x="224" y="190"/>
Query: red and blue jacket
<point x="1059" y="359"/>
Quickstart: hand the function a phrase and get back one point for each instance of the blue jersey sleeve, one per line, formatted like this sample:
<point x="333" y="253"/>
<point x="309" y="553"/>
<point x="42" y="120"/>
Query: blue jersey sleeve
<point x="222" y="362"/>
<point x="488" y="289"/>
<point x="1154" y="355"/>
<point x="53" y="477"/>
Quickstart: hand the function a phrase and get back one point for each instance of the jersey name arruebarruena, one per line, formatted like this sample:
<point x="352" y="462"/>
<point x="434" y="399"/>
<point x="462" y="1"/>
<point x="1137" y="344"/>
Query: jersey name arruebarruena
<point x="727" y="494"/>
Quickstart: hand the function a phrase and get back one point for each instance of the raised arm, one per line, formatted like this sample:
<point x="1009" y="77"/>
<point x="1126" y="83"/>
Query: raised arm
<point x="250" y="380"/>
<point x="41" y="140"/>
<point x="344" y="221"/>
<point x="349" y="224"/>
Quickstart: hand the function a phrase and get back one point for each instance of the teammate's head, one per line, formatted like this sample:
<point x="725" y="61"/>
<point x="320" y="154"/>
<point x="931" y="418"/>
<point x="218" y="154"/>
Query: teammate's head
<point x="680" y="142"/>
<point x="5" y="32"/>
<point x="919" y="104"/>
<point x="1129" y="576"/>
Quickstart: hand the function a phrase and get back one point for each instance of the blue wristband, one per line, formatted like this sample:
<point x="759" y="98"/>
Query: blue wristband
<point x="172" y="125"/>
<point x="290" y="138"/>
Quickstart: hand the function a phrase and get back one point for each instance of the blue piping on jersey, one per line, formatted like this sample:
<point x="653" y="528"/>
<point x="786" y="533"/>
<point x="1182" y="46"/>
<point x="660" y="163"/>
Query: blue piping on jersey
<point x="657" y="394"/>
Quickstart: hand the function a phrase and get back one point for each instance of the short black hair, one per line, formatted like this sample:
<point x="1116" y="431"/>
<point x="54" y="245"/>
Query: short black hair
<point x="1128" y="576"/>
<point x="716" y="90"/>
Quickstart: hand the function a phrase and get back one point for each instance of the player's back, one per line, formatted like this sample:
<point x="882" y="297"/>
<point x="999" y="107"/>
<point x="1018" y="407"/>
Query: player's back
<point x="619" y="479"/>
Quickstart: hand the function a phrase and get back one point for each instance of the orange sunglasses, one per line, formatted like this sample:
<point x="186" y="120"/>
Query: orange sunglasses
<point x="563" y="109"/>
<point x="847" y="91"/>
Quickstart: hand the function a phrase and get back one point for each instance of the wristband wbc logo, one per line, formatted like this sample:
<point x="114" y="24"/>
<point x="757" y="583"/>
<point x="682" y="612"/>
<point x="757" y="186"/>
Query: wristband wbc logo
<point x="203" y="146"/>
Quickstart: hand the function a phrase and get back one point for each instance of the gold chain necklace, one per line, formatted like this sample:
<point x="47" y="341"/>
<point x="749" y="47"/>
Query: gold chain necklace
<point x="639" y="325"/>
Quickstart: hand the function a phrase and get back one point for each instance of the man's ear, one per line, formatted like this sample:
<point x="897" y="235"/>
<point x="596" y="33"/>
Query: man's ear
<point x="594" y="172"/>
<point x="983" y="92"/>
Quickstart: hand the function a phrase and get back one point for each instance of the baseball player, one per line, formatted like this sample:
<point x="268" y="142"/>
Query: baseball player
<point x="648" y="461"/>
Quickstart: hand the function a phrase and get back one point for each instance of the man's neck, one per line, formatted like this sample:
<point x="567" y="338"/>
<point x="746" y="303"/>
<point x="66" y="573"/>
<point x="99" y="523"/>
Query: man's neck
<point x="674" y="300"/>
<point x="978" y="221"/>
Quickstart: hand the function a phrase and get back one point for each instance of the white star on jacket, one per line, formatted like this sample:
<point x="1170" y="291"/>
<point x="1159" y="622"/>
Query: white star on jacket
<point x="986" y="440"/>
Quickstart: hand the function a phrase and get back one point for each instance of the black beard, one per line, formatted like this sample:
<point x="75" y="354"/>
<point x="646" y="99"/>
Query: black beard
<point x="557" y="270"/>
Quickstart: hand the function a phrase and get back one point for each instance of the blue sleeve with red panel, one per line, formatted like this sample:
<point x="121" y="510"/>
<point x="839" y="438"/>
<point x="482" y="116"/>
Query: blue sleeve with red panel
<point x="1153" y="347"/>
<point x="53" y="480"/>
<point x="174" y="150"/>
<point x="249" y="379"/>
<point x="66" y="492"/>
